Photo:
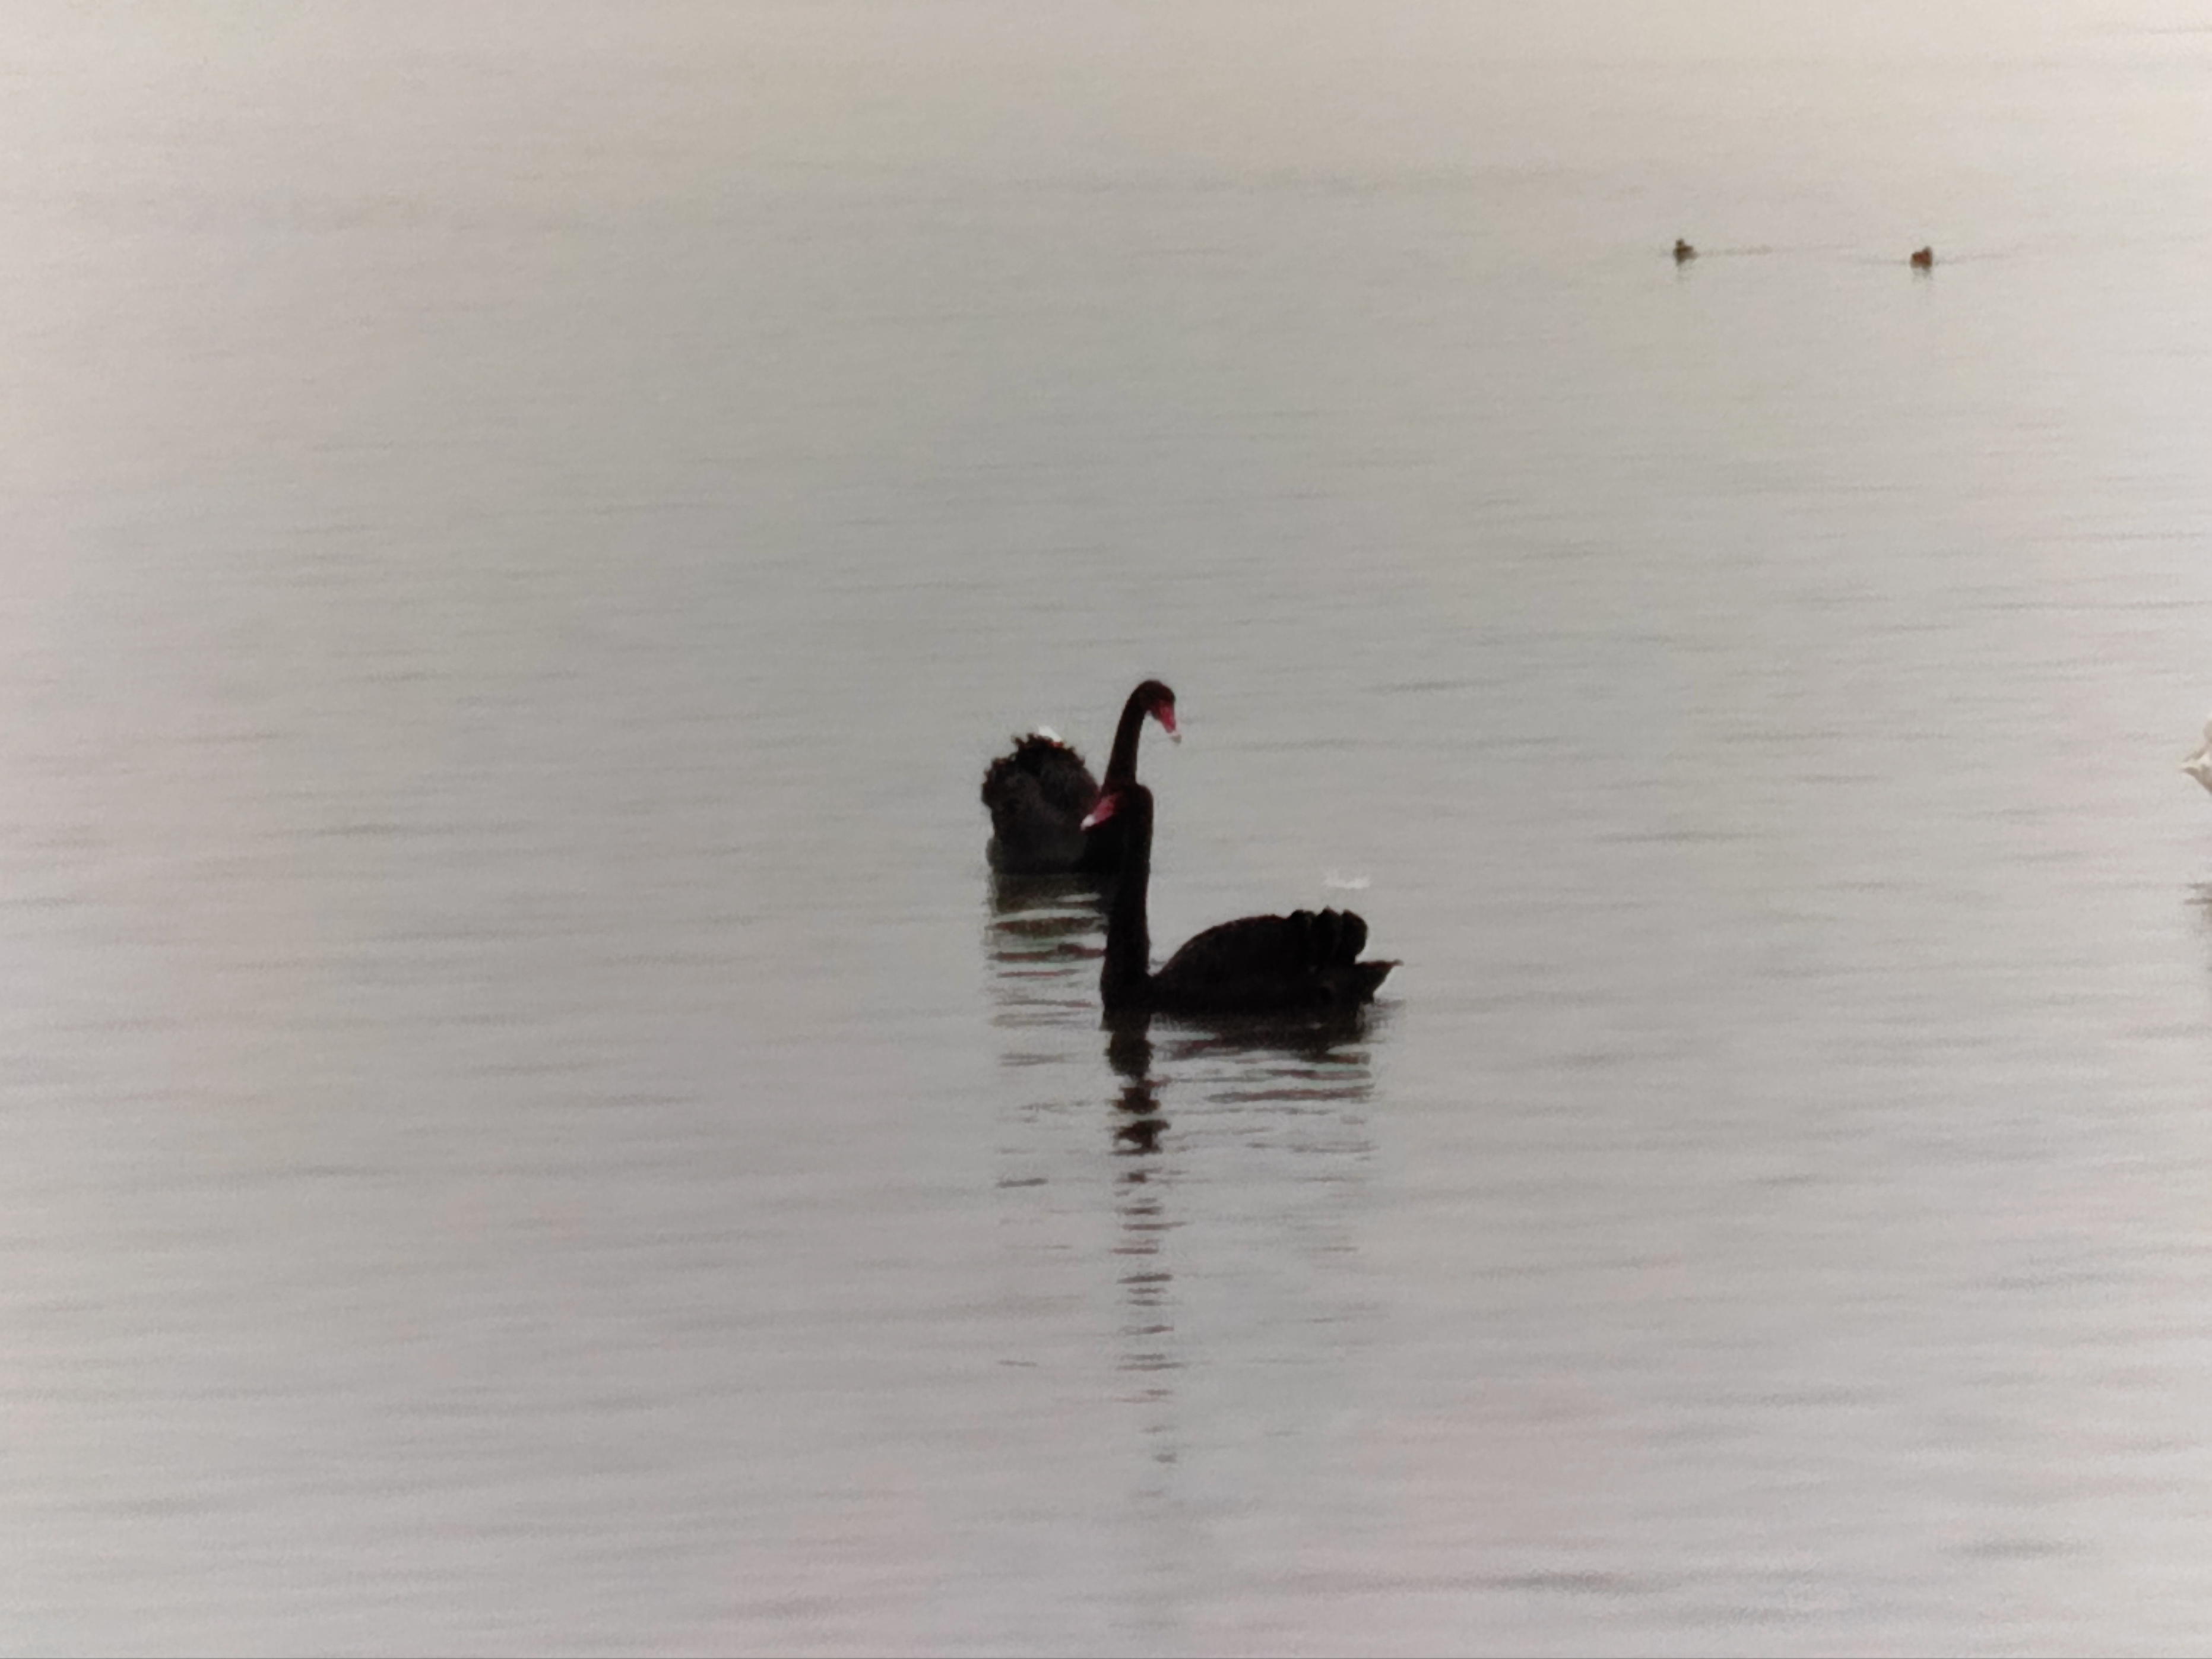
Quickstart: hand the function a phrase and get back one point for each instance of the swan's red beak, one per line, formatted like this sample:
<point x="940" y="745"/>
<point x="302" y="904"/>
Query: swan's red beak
<point x="1100" y="811"/>
<point x="1165" y="714"/>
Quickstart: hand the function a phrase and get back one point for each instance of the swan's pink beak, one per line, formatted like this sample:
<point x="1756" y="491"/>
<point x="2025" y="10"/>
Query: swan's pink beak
<point x="1100" y="812"/>
<point x="1165" y="714"/>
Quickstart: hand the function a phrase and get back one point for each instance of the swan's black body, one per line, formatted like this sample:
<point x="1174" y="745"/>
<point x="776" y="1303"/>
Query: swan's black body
<point x="1307" y="962"/>
<point x="1039" y="794"/>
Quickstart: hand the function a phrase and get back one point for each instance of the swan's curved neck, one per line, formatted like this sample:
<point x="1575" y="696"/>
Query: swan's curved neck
<point x="1123" y="981"/>
<point x="1121" y="764"/>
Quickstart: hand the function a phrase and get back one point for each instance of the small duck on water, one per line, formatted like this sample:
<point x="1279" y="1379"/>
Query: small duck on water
<point x="1683" y="251"/>
<point x="1924" y="260"/>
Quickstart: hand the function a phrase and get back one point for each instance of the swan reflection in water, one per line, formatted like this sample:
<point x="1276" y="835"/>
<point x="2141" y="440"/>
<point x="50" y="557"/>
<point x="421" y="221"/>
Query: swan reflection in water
<point x="1149" y="1349"/>
<point x="1260" y="1171"/>
<point x="1129" y="1052"/>
<point x="1042" y="938"/>
<point x="1305" y="1064"/>
<point x="1231" y="1155"/>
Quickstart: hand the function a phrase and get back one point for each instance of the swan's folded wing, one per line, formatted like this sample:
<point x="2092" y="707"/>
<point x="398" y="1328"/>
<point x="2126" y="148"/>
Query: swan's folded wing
<point x="1272" y="947"/>
<point x="1031" y="834"/>
<point x="1066" y="782"/>
<point x="1251" y="947"/>
<point x="1271" y="964"/>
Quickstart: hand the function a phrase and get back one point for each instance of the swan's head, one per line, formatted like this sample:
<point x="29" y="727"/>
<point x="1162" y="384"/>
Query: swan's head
<point x="1160" y="702"/>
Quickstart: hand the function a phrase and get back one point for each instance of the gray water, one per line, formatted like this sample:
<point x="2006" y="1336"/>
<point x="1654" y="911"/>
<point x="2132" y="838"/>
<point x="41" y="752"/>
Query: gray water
<point x="524" y="1122"/>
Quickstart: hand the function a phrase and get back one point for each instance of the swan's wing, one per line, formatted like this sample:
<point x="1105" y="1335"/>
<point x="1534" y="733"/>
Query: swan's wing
<point x="1030" y="833"/>
<point x="1273" y="964"/>
<point x="1250" y="947"/>
<point x="1065" y="780"/>
<point x="1056" y="770"/>
<point x="1270" y="947"/>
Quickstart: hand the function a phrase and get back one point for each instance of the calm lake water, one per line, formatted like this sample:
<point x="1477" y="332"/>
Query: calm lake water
<point x="525" y="1124"/>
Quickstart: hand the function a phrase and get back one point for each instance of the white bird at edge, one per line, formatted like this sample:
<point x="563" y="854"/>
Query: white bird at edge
<point x="2199" y="765"/>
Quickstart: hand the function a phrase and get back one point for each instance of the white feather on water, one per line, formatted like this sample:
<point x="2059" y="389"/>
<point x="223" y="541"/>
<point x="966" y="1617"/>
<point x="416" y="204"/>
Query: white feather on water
<point x="2199" y="765"/>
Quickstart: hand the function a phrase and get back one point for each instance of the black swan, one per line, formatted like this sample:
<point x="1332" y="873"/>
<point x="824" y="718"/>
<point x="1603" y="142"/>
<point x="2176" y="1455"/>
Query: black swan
<point x="1304" y="962"/>
<point x="1039" y="794"/>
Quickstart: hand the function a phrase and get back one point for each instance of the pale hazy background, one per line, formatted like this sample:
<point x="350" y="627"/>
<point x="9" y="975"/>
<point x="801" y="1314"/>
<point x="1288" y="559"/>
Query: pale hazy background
<point x="524" y="1124"/>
